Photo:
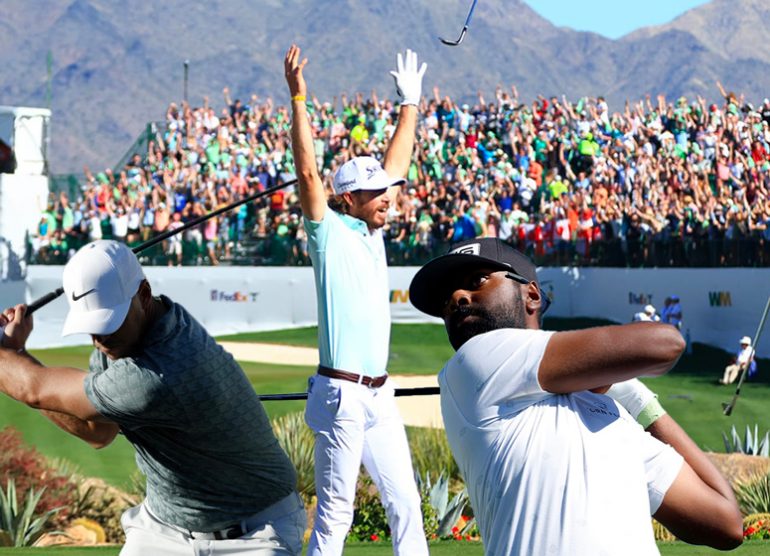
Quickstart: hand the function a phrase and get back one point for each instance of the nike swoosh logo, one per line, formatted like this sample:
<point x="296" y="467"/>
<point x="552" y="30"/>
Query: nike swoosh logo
<point x="82" y="295"/>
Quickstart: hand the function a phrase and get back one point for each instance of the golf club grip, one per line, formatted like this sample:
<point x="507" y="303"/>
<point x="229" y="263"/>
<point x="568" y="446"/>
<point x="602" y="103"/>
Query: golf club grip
<point x="195" y="221"/>
<point x="399" y="392"/>
<point x="42" y="301"/>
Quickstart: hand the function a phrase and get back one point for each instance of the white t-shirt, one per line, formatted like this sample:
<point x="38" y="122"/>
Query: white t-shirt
<point x="549" y="474"/>
<point x="744" y="355"/>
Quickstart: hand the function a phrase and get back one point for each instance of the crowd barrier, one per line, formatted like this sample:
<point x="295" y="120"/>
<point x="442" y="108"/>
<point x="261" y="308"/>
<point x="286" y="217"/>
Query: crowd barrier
<point x="719" y="305"/>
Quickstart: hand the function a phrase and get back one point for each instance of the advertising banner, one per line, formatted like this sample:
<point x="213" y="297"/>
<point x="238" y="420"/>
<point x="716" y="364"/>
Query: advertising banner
<point x="719" y="305"/>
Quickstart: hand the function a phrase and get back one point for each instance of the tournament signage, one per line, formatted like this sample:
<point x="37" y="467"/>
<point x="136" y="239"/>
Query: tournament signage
<point x="228" y="300"/>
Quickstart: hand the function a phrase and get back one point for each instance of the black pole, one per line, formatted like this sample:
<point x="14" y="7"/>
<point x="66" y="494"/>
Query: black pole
<point x="399" y="392"/>
<point x="186" y="72"/>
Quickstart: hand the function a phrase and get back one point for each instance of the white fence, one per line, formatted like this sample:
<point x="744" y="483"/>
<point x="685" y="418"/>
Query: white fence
<point x="719" y="305"/>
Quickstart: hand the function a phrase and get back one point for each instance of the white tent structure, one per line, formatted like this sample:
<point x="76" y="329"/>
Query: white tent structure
<point x="24" y="183"/>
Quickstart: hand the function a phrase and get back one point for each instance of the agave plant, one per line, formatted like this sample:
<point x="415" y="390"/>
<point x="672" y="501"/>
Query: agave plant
<point x="750" y="445"/>
<point x="19" y="525"/>
<point x="448" y="511"/>
<point x="297" y="440"/>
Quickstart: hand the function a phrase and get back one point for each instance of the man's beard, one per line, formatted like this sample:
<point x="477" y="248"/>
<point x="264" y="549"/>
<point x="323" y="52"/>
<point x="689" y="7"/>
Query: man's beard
<point x="484" y="321"/>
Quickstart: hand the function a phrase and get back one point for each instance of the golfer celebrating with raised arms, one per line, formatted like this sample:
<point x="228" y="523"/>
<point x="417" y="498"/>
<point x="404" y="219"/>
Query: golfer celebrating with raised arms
<point x="217" y="480"/>
<point x="552" y="467"/>
<point x="350" y="405"/>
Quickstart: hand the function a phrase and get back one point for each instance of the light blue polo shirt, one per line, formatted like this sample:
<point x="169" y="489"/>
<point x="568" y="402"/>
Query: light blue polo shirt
<point x="351" y="280"/>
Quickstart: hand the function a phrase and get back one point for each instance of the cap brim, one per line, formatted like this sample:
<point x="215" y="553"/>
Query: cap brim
<point x="384" y="184"/>
<point x="430" y="286"/>
<point x="99" y="321"/>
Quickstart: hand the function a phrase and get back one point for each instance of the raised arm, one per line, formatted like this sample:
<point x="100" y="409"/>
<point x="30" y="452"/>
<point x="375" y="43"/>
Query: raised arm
<point x="312" y="196"/>
<point x="579" y="360"/>
<point x="409" y="86"/>
<point x="699" y="507"/>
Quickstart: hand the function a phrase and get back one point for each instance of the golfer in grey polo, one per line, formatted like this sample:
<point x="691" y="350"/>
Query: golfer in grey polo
<point x="217" y="480"/>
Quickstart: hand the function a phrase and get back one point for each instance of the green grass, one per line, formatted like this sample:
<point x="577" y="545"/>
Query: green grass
<point x="414" y="348"/>
<point x="437" y="548"/>
<point x="689" y="392"/>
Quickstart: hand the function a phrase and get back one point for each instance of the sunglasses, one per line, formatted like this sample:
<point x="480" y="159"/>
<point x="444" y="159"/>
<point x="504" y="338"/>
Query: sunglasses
<point x="546" y="302"/>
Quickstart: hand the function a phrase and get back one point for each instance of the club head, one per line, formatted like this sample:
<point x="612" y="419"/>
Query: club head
<point x="727" y="408"/>
<point x="458" y="41"/>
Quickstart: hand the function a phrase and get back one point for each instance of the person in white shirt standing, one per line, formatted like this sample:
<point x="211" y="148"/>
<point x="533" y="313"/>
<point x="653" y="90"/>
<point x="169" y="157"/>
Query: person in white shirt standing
<point x="553" y="466"/>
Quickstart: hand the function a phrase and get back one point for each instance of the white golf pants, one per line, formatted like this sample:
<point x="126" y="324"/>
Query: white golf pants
<point x="354" y="424"/>
<point x="278" y="532"/>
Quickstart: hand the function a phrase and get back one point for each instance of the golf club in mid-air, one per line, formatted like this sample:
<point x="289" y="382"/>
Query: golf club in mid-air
<point x="727" y="408"/>
<point x="465" y="29"/>
<point x="47" y="298"/>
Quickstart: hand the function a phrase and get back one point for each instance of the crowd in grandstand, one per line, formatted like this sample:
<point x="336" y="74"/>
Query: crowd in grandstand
<point x="657" y="183"/>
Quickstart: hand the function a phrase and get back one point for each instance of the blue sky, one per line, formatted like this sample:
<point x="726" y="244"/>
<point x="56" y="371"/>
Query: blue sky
<point x="611" y="18"/>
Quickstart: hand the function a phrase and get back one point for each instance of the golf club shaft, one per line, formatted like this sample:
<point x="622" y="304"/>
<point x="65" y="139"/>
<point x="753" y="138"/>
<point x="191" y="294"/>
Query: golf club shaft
<point x="47" y="298"/>
<point x="729" y="408"/>
<point x="399" y="392"/>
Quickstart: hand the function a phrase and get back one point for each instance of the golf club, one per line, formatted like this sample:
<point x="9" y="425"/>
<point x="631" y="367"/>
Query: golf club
<point x="47" y="298"/>
<point x="465" y="29"/>
<point x="727" y="408"/>
<point x="422" y="391"/>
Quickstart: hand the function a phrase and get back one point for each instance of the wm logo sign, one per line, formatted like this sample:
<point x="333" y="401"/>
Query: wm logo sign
<point x="399" y="296"/>
<point x="720" y="299"/>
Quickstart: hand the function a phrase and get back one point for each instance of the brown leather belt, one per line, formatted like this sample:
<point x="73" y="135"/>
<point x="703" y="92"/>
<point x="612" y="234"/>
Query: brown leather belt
<point x="375" y="382"/>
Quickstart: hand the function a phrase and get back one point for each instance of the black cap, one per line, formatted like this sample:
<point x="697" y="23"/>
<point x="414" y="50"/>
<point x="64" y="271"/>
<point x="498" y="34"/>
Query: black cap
<point x="430" y="286"/>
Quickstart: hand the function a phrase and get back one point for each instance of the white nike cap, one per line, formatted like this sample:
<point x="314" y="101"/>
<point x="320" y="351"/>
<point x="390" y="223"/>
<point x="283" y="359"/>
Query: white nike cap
<point x="99" y="282"/>
<point x="363" y="173"/>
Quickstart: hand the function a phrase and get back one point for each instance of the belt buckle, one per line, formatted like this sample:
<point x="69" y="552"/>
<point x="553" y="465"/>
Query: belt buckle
<point x="232" y="532"/>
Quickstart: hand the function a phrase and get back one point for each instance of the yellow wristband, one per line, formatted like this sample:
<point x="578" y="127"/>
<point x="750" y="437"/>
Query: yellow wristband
<point x="298" y="98"/>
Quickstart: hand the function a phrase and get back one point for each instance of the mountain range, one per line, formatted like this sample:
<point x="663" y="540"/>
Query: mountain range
<point x="116" y="64"/>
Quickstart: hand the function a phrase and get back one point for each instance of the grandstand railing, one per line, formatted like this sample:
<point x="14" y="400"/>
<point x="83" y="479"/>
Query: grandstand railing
<point x="277" y="250"/>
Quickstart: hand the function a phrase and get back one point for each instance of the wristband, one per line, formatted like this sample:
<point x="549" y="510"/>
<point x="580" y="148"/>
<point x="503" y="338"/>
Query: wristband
<point x="298" y="98"/>
<point x="632" y="395"/>
<point x="651" y="413"/>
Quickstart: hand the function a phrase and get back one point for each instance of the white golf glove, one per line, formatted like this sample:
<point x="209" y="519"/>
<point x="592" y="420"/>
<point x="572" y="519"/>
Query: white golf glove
<point x="636" y="397"/>
<point x="408" y="78"/>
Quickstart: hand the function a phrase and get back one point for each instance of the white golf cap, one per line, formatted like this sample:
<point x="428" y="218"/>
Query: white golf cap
<point x="745" y="341"/>
<point x="649" y="309"/>
<point x="99" y="282"/>
<point x="363" y="173"/>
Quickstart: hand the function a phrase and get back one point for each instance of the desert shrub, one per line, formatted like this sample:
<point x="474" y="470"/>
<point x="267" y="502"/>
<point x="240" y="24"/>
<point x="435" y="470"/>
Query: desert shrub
<point x="29" y="469"/>
<point x="754" y="495"/>
<point x="370" y="523"/>
<point x="103" y="504"/>
<point x="297" y="440"/>
<point x="661" y="533"/>
<point x="442" y="517"/>
<point x="756" y="526"/>
<point x="431" y="452"/>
